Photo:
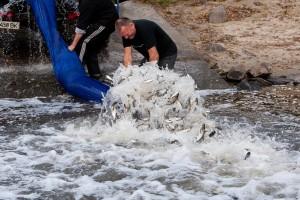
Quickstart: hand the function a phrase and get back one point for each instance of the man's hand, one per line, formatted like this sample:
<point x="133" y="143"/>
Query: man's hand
<point x="75" y="41"/>
<point x="71" y="47"/>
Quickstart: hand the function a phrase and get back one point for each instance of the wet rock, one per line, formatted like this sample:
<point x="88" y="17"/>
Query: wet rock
<point x="214" y="47"/>
<point x="200" y="2"/>
<point x="295" y="77"/>
<point x="257" y="3"/>
<point x="222" y="72"/>
<point x="214" y="66"/>
<point x="264" y="70"/>
<point x="250" y="85"/>
<point x="244" y="85"/>
<point x="236" y="74"/>
<point x="262" y="81"/>
<point x="281" y="80"/>
<point x="217" y="15"/>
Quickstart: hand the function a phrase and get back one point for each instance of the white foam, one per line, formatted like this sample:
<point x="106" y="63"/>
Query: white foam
<point x="34" y="106"/>
<point x="121" y="160"/>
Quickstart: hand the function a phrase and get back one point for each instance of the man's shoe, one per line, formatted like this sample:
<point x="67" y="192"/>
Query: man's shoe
<point x="108" y="80"/>
<point x="96" y="76"/>
<point x="103" y="78"/>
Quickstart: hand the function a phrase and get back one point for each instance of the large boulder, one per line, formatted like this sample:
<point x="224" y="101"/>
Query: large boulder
<point x="263" y="70"/>
<point x="217" y="15"/>
<point x="236" y="74"/>
<point x="215" y="47"/>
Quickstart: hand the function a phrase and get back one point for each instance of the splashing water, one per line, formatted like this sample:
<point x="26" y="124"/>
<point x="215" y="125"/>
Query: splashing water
<point x="153" y="139"/>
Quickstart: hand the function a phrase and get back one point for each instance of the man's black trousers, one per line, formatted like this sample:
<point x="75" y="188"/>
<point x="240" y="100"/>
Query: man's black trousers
<point x="91" y="44"/>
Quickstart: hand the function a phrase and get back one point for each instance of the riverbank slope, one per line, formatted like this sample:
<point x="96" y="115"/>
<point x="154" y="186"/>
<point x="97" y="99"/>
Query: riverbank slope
<point x="251" y="34"/>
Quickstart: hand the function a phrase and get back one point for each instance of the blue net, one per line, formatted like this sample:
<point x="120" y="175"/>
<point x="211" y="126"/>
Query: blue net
<point x="68" y="69"/>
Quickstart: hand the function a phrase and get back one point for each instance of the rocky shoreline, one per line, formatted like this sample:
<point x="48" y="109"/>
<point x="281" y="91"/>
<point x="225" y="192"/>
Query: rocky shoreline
<point x="250" y="43"/>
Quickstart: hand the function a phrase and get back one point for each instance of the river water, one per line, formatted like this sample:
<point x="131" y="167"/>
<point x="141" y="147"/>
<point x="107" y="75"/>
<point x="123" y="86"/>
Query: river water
<point x="155" y="137"/>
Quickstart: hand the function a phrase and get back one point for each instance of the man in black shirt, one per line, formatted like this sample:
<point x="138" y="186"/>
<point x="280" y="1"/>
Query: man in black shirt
<point x="149" y="39"/>
<point x="94" y="26"/>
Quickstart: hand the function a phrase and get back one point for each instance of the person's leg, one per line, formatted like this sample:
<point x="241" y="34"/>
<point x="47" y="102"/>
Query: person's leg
<point x="87" y="50"/>
<point x="167" y="62"/>
<point x="98" y="47"/>
<point x="91" y="59"/>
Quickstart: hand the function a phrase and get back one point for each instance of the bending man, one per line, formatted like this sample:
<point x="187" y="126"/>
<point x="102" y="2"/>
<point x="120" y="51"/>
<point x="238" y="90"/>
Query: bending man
<point x="94" y="26"/>
<point x="149" y="39"/>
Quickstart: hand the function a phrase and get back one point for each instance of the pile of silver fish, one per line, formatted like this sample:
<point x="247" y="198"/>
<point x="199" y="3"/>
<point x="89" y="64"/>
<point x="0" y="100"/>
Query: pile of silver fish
<point x="157" y="99"/>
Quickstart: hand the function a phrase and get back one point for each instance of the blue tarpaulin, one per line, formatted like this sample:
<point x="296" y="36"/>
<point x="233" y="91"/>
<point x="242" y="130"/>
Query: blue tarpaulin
<point x="68" y="69"/>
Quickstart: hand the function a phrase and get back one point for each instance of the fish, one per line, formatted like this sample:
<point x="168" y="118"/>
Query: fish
<point x="143" y="126"/>
<point x="173" y="98"/>
<point x="201" y="135"/>
<point x="168" y="121"/>
<point x="148" y="95"/>
<point x="171" y="127"/>
<point x="121" y="80"/>
<point x="113" y="111"/>
<point x="247" y="155"/>
<point x="212" y="133"/>
<point x="146" y="119"/>
<point x="148" y="81"/>
<point x="131" y="102"/>
<point x="174" y="119"/>
<point x="174" y="141"/>
<point x="116" y="109"/>
<point x="109" y="78"/>
<point x="161" y="92"/>
<point x="143" y="115"/>
<point x="193" y="103"/>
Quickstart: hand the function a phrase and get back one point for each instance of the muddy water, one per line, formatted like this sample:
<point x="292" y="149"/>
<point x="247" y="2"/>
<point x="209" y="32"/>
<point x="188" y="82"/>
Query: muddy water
<point x="56" y="147"/>
<point x="272" y="112"/>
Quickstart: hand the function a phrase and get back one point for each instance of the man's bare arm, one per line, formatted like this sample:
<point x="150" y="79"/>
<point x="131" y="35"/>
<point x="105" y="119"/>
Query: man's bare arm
<point x="153" y="54"/>
<point x="127" y="56"/>
<point x="75" y="41"/>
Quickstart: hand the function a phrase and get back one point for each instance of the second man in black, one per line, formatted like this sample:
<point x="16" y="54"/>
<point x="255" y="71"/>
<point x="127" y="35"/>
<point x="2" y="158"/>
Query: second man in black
<point x="95" y="24"/>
